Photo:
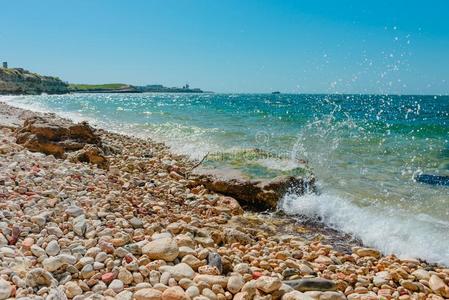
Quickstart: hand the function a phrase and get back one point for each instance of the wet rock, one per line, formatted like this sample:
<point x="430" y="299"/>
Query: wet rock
<point x="312" y="284"/>
<point x="164" y="248"/>
<point x="258" y="194"/>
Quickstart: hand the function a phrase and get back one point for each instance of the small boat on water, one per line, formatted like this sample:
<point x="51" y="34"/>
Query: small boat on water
<point x="276" y="93"/>
<point x="433" y="179"/>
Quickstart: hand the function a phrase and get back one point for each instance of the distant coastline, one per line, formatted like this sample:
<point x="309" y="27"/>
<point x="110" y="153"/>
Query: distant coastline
<point x="126" y="88"/>
<point x="18" y="81"/>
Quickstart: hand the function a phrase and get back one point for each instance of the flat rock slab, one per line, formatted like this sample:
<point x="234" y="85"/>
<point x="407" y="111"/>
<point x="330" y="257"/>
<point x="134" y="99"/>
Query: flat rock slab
<point x="259" y="194"/>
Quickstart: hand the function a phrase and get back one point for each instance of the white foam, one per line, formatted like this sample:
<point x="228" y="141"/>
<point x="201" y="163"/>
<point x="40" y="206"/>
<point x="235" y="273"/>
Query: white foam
<point x="278" y="164"/>
<point x="390" y="230"/>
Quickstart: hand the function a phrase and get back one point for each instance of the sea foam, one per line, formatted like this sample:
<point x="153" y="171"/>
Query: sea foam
<point x="391" y="231"/>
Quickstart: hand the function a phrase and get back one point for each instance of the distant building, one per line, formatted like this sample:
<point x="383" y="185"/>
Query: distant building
<point x="186" y="86"/>
<point x="5" y="64"/>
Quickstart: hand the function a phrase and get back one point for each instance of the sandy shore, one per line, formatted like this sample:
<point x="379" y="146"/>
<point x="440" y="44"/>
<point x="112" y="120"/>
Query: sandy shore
<point x="136" y="231"/>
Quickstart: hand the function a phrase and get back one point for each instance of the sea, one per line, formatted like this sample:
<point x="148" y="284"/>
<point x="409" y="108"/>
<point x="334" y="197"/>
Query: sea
<point x="364" y="150"/>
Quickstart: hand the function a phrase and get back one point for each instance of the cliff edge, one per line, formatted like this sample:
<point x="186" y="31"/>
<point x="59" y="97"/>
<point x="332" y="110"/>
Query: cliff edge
<point x="18" y="81"/>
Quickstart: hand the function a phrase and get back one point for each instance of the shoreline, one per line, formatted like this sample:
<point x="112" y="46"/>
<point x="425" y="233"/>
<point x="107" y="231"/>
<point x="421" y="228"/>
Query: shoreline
<point x="203" y="218"/>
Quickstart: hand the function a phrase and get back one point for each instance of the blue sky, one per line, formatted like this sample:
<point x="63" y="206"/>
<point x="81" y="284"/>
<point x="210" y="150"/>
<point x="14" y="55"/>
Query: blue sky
<point x="235" y="46"/>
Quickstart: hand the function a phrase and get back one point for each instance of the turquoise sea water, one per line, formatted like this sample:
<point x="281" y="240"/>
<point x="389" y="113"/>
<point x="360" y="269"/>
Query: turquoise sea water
<point x="364" y="150"/>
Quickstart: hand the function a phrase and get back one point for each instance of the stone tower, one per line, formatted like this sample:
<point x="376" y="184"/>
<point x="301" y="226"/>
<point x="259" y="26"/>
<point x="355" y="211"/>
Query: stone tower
<point x="5" y="64"/>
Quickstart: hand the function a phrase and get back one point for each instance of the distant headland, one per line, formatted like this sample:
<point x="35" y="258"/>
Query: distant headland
<point x="18" y="81"/>
<point x="126" y="88"/>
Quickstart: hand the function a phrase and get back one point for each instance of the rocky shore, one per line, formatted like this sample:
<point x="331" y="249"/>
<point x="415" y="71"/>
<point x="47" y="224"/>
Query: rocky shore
<point x="17" y="81"/>
<point x="136" y="226"/>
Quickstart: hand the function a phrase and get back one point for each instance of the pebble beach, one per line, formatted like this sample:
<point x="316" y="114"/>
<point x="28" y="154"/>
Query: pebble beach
<point x="136" y="230"/>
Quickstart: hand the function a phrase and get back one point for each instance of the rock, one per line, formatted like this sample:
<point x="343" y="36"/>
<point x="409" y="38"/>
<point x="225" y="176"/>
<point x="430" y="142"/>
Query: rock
<point x="125" y="276"/>
<point x="52" y="248"/>
<point x="192" y="291"/>
<point x="38" y="251"/>
<point x="148" y="294"/>
<point x="381" y="278"/>
<point x="79" y="225"/>
<point x="326" y="295"/>
<point x="55" y="136"/>
<point x="124" y="295"/>
<point x="214" y="260"/>
<point x="242" y="268"/>
<point x="296" y="295"/>
<point x="192" y="261"/>
<point x="56" y="294"/>
<point x="268" y="284"/>
<point x="421" y="274"/>
<point x="212" y="279"/>
<point x="164" y="248"/>
<point x="175" y="293"/>
<point x="235" y="284"/>
<point x="179" y="271"/>
<point x="362" y="252"/>
<point x="72" y="289"/>
<point x="312" y="284"/>
<point x="5" y="289"/>
<point x="39" y="277"/>
<point x="236" y="236"/>
<point x="136" y="222"/>
<point x="90" y="154"/>
<point x="52" y="264"/>
<point x="241" y="296"/>
<point x="74" y="211"/>
<point x="210" y="270"/>
<point x="231" y="204"/>
<point x="107" y="277"/>
<point x="116" y="285"/>
<point x="209" y="294"/>
<point x="259" y="194"/>
<point x="437" y="285"/>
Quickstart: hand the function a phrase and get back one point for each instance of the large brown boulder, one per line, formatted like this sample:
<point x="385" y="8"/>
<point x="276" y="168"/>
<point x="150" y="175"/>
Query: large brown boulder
<point x="258" y="194"/>
<point x="58" y="137"/>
